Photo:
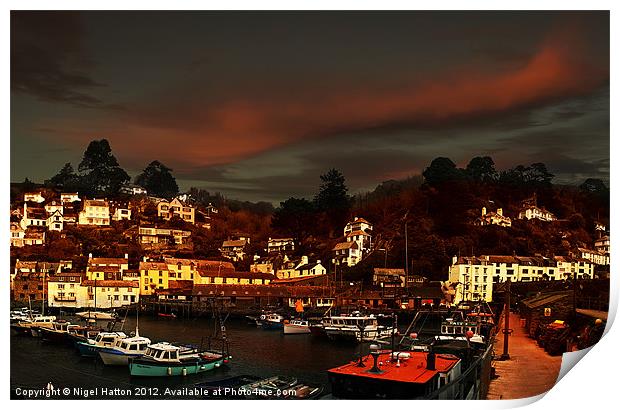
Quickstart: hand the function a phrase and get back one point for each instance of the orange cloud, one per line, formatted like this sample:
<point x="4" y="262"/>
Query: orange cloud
<point x="191" y="134"/>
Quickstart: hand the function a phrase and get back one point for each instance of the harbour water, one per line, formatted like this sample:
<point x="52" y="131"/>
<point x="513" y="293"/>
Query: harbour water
<point x="263" y="353"/>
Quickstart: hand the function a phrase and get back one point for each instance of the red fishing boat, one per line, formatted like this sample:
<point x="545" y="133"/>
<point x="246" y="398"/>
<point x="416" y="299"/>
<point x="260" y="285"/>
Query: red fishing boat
<point x="168" y="315"/>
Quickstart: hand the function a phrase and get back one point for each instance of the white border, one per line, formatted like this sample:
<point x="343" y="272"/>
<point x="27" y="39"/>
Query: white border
<point x="590" y="385"/>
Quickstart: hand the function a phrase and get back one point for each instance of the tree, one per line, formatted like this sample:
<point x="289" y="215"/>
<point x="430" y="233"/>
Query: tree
<point x="99" y="170"/>
<point x="481" y="169"/>
<point x="441" y="170"/>
<point x="65" y="179"/>
<point x="333" y="199"/>
<point x="593" y="185"/>
<point x="294" y="217"/>
<point x="158" y="180"/>
<point x="333" y="192"/>
<point x="538" y="174"/>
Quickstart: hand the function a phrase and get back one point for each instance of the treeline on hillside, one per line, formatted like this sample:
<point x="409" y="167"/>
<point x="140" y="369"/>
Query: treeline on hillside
<point x="100" y="175"/>
<point x="439" y="208"/>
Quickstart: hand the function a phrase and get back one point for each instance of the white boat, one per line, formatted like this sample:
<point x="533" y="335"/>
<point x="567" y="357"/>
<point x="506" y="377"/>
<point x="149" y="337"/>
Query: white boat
<point x="20" y="315"/>
<point x="354" y="328"/>
<point x="30" y="326"/>
<point x="124" y="349"/>
<point x="97" y="315"/>
<point x="164" y="359"/>
<point x="91" y="348"/>
<point x="296" y="327"/>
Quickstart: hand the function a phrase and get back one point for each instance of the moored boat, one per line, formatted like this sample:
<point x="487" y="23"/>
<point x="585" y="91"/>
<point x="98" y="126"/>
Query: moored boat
<point x="58" y="333"/>
<point x="296" y="327"/>
<point x="271" y="321"/>
<point x="279" y="387"/>
<point x="123" y="350"/>
<point x="27" y="326"/>
<point x="83" y="333"/>
<point x="91" y="348"/>
<point x="354" y="328"/>
<point x="97" y="315"/>
<point x="164" y="359"/>
<point x="384" y="374"/>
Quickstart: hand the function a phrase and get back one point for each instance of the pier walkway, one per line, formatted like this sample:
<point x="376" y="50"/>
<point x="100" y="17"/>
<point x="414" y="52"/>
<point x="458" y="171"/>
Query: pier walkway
<point x="530" y="370"/>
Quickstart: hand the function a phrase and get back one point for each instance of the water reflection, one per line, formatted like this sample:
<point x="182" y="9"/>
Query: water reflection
<point x="255" y="351"/>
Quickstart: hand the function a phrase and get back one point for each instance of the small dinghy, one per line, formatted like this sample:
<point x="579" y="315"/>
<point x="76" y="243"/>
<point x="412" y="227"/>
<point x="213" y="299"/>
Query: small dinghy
<point x="279" y="387"/>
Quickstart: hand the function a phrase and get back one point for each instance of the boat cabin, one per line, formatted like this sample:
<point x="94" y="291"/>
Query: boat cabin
<point x="163" y="352"/>
<point x="355" y="321"/>
<point x="108" y="339"/>
<point x="133" y="344"/>
<point x="451" y="327"/>
<point x="61" y="326"/>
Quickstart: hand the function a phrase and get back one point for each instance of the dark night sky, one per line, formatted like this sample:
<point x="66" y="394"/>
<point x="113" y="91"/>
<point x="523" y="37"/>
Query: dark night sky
<point x="258" y="105"/>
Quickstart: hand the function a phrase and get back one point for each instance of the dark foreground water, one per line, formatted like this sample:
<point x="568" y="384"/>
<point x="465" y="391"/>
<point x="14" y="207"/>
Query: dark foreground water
<point x="257" y="352"/>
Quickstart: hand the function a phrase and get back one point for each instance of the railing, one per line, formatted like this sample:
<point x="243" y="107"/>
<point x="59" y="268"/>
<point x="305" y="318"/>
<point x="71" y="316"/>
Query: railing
<point x="65" y="298"/>
<point x="473" y="384"/>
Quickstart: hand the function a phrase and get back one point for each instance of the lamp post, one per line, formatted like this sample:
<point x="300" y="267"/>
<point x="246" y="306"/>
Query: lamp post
<point x="385" y="251"/>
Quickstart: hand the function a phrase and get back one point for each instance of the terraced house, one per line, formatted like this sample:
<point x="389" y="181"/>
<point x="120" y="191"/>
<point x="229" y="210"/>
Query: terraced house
<point x="156" y="276"/>
<point x="95" y="212"/>
<point x="476" y="275"/>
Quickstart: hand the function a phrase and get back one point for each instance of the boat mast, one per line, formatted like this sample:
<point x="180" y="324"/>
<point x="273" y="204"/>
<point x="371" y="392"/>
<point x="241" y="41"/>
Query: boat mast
<point x="29" y="307"/>
<point x="137" y="320"/>
<point x="43" y="298"/>
<point x="95" y="290"/>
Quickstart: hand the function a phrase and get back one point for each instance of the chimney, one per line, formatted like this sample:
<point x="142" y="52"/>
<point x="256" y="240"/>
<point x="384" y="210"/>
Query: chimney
<point x="484" y="210"/>
<point x="90" y="256"/>
<point x="318" y="261"/>
<point x="500" y="211"/>
<point x="430" y="359"/>
<point x="454" y="260"/>
<point x="126" y="256"/>
<point x="304" y="260"/>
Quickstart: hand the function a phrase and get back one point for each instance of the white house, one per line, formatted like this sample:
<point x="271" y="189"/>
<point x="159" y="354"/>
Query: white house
<point x="95" y="212"/>
<point x="347" y="253"/>
<point x="234" y="250"/>
<point x="362" y="239"/>
<point x="300" y="268"/>
<point x="133" y="189"/>
<point x="55" y="221"/>
<point x="358" y="224"/>
<point x="34" y="197"/>
<point x="63" y="289"/>
<point x="54" y="206"/>
<point x="17" y="235"/>
<point x="311" y="268"/>
<point x="69" y="197"/>
<point x="534" y="212"/>
<point x="493" y="218"/>
<point x="602" y="244"/>
<point x="91" y="294"/>
<point x="278" y="245"/>
<point x="594" y="256"/>
<point x="176" y="207"/>
<point x="121" y="214"/>
<point x="33" y="217"/>
<point x="477" y="275"/>
<point x="152" y="235"/>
